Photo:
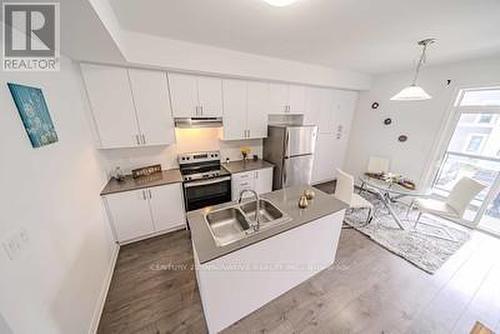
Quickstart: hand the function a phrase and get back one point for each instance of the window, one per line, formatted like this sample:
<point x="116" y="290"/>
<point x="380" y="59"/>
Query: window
<point x="485" y="119"/>
<point x="474" y="151"/>
<point x="474" y="144"/>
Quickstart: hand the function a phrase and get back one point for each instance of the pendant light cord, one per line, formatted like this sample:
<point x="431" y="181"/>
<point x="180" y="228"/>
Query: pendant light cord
<point x="420" y="63"/>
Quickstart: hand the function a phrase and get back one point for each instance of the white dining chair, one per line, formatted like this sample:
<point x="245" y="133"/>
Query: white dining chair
<point x="344" y="191"/>
<point x="378" y="165"/>
<point x="461" y="195"/>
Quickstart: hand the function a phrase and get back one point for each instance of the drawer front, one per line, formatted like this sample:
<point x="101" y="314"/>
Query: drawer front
<point x="242" y="181"/>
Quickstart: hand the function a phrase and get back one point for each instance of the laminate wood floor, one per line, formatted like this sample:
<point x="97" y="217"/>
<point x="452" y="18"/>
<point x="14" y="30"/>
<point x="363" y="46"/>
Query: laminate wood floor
<point x="367" y="290"/>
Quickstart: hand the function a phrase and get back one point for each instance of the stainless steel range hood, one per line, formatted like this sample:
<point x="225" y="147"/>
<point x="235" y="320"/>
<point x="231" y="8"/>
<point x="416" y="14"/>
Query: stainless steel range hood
<point x="198" y="122"/>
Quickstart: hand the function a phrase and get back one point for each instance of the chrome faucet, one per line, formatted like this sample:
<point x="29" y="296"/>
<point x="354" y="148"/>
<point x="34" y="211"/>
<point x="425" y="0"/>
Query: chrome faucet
<point x="255" y="226"/>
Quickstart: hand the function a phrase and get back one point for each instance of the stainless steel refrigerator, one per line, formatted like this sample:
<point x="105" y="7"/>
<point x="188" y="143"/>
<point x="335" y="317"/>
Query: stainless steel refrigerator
<point x="291" y="150"/>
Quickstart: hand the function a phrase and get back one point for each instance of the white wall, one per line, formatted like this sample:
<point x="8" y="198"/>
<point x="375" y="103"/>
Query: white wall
<point x="52" y="193"/>
<point x="188" y="140"/>
<point x="422" y="121"/>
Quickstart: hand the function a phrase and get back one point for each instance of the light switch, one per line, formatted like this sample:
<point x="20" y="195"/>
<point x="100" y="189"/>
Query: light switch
<point x="15" y="243"/>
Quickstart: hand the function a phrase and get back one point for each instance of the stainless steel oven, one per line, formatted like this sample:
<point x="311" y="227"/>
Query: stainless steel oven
<point x="199" y="194"/>
<point x="206" y="183"/>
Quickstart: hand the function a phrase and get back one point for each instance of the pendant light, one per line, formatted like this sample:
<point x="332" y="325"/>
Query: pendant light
<point x="414" y="92"/>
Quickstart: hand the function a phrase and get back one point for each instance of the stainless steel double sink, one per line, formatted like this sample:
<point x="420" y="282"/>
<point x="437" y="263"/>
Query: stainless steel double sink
<point x="236" y="222"/>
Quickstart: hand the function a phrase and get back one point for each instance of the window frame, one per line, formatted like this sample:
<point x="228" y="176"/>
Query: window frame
<point x="440" y="153"/>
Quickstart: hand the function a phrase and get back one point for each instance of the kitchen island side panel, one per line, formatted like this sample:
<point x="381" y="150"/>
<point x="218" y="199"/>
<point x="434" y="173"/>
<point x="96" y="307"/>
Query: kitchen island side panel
<point x="239" y="283"/>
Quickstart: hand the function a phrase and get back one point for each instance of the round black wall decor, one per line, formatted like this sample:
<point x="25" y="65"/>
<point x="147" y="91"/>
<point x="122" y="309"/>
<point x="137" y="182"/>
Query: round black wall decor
<point x="375" y="105"/>
<point x="403" y="138"/>
<point x="388" y="121"/>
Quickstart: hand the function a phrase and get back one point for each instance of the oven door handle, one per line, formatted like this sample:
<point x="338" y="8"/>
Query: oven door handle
<point x="204" y="183"/>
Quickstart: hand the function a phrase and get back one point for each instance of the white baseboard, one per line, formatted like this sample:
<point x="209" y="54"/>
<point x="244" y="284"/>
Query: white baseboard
<point x="104" y="291"/>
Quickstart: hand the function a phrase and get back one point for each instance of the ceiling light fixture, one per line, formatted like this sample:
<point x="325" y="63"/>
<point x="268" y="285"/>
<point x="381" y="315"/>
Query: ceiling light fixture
<point x="280" y="3"/>
<point x="414" y="92"/>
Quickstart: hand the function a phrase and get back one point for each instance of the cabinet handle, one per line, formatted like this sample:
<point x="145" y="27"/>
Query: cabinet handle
<point x="144" y="194"/>
<point x="143" y="138"/>
<point x="137" y="140"/>
<point x="248" y="133"/>
<point x="150" y="195"/>
<point x="201" y="107"/>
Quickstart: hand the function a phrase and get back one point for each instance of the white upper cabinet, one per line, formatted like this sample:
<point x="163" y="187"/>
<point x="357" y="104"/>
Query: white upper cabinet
<point x="258" y="109"/>
<point x="112" y="105"/>
<point x="279" y="94"/>
<point x="245" y="109"/>
<point x="320" y="109"/>
<point x="286" y="98"/>
<point x="194" y="96"/>
<point x="210" y="96"/>
<point x="235" y="109"/>
<point x="130" y="107"/>
<point x="297" y="98"/>
<point x="184" y="93"/>
<point x="154" y="114"/>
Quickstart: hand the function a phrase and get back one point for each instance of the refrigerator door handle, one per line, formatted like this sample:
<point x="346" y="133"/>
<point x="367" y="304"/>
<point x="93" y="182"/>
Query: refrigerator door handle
<point x="287" y="140"/>
<point x="284" y="176"/>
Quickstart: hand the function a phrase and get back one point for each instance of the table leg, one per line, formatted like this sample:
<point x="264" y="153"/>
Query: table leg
<point x="387" y="204"/>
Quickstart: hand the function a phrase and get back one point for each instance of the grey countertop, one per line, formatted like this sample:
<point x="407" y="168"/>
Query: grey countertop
<point x="285" y="199"/>
<point x="241" y="166"/>
<point x="158" y="179"/>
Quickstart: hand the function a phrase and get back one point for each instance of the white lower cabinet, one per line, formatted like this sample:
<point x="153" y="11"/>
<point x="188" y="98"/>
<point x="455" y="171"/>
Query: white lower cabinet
<point x="139" y="213"/>
<point x="167" y="206"/>
<point x="260" y="180"/>
<point x="264" y="180"/>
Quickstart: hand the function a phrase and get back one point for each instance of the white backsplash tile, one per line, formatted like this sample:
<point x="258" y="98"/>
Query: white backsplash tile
<point x="188" y="140"/>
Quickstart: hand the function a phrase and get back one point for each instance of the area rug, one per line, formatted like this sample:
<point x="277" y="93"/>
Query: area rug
<point x="414" y="245"/>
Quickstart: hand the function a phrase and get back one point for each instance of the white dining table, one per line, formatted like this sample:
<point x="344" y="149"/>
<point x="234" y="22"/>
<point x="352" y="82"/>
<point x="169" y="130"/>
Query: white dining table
<point x="389" y="192"/>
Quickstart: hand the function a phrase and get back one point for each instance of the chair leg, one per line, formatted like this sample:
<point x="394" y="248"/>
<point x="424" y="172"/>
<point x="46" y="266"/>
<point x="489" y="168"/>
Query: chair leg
<point x="417" y="220"/>
<point x="361" y="188"/>
<point x="410" y="207"/>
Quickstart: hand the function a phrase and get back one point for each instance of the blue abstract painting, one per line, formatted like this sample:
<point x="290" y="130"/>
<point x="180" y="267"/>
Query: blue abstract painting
<point x="34" y="113"/>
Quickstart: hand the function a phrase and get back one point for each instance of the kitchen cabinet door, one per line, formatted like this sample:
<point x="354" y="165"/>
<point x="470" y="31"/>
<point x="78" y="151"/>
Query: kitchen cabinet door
<point x="263" y="180"/>
<point x="112" y="105"/>
<point x="258" y="109"/>
<point x="326" y="111"/>
<point x="210" y="96"/>
<point x="184" y="94"/>
<point x="235" y="109"/>
<point x="152" y="102"/>
<point x="297" y="99"/>
<point x="241" y="181"/>
<point x="279" y="95"/>
<point x="324" y="159"/>
<point x="130" y="214"/>
<point x="167" y="206"/>
<point x="313" y="106"/>
<point x="344" y="112"/>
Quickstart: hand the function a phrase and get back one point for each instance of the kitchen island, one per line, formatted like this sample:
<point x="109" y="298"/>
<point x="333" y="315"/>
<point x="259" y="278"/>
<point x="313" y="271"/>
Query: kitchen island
<point x="240" y="268"/>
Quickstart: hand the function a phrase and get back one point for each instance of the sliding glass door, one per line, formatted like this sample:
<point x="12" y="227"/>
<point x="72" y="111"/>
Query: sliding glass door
<point x="474" y="151"/>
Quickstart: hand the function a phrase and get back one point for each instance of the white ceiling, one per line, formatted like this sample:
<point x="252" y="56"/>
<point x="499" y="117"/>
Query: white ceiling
<point x="372" y="36"/>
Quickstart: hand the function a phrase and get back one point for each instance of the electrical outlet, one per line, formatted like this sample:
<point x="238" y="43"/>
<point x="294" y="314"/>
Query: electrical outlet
<point x="15" y="243"/>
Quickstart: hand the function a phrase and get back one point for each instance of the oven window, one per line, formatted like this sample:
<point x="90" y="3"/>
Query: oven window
<point x="205" y="195"/>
